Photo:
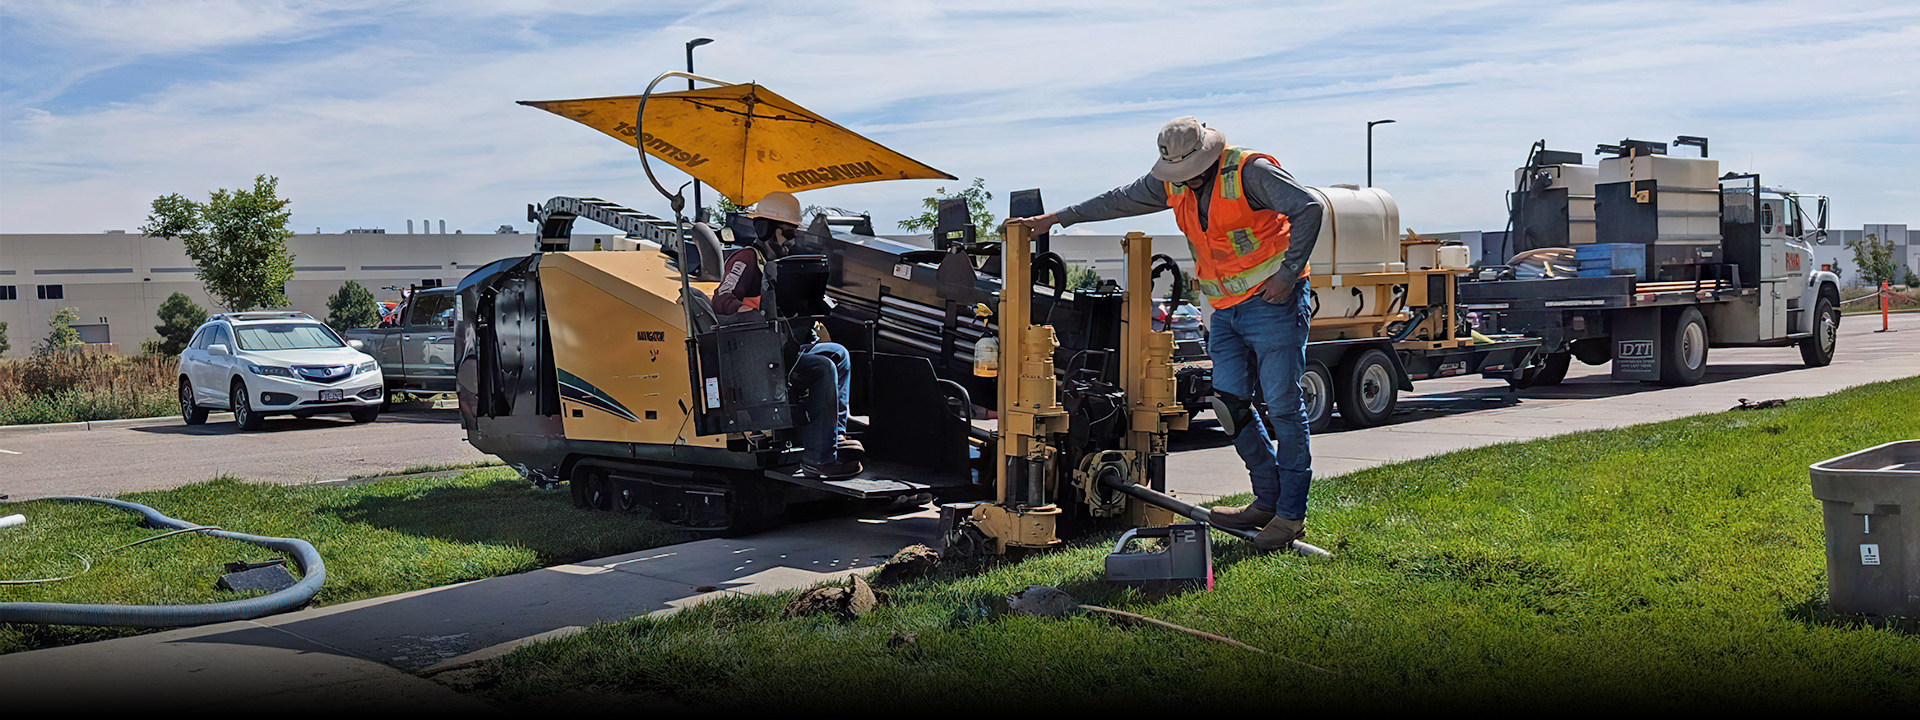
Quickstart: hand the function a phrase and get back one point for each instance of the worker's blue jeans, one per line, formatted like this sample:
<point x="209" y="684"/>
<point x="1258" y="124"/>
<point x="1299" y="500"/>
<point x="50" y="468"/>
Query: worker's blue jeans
<point x="1261" y="344"/>
<point x="823" y="372"/>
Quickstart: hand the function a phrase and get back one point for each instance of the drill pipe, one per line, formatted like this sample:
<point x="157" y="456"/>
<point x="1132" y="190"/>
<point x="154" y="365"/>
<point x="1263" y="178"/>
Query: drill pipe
<point x="1196" y="513"/>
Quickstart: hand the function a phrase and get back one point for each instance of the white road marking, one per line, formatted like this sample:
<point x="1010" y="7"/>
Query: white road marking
<point x="10" y="452"/>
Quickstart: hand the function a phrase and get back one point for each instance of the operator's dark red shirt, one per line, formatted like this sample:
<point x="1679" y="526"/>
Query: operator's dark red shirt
<point x="739" y="283"/>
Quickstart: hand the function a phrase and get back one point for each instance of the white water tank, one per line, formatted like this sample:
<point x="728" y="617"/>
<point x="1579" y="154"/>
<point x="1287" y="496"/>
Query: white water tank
<point x="1359" y="232"/>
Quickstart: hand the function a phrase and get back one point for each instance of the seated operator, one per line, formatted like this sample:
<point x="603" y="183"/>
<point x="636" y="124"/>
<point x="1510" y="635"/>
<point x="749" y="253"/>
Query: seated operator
<point x="823" y="369"/>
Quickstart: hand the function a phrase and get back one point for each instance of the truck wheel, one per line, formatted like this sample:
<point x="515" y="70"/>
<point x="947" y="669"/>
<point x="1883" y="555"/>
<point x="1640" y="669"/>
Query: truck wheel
<point x="1684" y="361"/>
<point x="1316" y="395"/>
<point x="1367" y="391"/>
<point x="1817" y="349"/>
<point x="1551" y="370"/>
<point x="1593" y="351"/>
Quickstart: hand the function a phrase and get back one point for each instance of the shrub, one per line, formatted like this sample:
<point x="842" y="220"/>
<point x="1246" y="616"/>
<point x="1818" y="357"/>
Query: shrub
<point x="79" y="384"/>
<point x="63" y="336"/>
<point x="179" y="317"/>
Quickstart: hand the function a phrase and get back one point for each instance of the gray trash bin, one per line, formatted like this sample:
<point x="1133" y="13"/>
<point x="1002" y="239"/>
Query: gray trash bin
<point x="1871" y="504"/>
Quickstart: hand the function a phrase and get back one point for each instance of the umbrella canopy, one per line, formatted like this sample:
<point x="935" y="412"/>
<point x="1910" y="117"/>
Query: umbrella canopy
<point x="743" y="140"/>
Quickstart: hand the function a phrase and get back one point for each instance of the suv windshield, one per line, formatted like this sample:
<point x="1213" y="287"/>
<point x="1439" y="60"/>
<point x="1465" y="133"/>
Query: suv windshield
<point x="289" y="336"/>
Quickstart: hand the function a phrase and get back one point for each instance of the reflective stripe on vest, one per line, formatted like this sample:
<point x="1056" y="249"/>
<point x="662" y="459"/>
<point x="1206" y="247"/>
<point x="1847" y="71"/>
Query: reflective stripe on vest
<point x="1240" y="247"/>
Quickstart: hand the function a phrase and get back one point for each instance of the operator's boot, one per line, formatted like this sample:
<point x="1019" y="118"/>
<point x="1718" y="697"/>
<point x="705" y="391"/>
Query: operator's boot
<point x="837" y="469"/>
<point x="1279" y="534"/>
<point x="1242" y="517"/>
<point x="850" y="449"/>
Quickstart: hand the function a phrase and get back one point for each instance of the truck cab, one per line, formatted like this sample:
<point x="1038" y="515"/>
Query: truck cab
<point x="415" y="349"/>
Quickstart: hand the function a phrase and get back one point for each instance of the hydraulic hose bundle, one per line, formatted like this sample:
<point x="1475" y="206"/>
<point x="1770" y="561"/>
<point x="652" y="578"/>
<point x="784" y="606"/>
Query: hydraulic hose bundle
<point x="314" y="573"/>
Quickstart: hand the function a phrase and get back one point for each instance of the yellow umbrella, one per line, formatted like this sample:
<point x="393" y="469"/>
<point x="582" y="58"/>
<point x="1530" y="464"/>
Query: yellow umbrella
<point x="743" y="140"/>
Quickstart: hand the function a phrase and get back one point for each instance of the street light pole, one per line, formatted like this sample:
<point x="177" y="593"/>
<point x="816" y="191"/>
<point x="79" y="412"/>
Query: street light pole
<point x="698" y="209"/>
<point x="1369" y="148"/>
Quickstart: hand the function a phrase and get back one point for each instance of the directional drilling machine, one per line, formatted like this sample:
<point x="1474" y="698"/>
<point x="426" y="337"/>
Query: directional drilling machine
<point x="579" y="367"/>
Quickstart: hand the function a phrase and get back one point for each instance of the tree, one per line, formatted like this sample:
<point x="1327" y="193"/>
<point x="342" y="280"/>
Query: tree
<point x="179" y="317"/>
<point x="1082" y="277"/>
<point x="976" y="195"/>
<point x="4" y="345"/>
<point x="717" y="213"/>
<point x="352" y="307"/>
<point x="1873" y="257"/>
<point x="62" y="335"/>
<point x="237" y="239"/>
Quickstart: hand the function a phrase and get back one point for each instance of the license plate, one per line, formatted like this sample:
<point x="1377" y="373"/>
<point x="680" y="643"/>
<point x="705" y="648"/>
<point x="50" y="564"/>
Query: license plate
<point x="329" y="396"/>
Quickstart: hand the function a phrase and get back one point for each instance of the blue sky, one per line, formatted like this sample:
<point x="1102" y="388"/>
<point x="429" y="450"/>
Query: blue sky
<point x="373" y="113"/>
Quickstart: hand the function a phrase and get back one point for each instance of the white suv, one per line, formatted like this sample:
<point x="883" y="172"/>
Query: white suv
<point x="275" y="363"/>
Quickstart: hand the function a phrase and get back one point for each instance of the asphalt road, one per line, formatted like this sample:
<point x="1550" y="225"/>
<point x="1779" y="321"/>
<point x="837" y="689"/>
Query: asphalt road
<point x="291" y="451"/>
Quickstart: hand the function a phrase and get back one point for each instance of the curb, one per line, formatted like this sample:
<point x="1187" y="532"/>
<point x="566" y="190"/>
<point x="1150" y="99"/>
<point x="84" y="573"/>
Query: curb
<point x="89" y="425"/>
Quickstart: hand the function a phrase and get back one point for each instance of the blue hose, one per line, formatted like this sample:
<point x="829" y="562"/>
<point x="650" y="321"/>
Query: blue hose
<point x="314" y="573"/>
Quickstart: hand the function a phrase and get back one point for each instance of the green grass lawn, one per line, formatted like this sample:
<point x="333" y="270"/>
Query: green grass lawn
<point x="377" y="538"/>
<point x="1672" y="565"/>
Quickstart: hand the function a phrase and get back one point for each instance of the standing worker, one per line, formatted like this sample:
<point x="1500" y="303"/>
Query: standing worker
<point x="1252" y="228"/>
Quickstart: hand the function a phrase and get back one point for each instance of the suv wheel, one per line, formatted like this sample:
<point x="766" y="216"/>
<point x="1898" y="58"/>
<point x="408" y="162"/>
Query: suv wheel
<point x="243" y="414"/>
<point x="190" y="411"/>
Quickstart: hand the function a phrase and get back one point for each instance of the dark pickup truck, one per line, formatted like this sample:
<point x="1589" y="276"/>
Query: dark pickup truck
<point x="416" y="349"/>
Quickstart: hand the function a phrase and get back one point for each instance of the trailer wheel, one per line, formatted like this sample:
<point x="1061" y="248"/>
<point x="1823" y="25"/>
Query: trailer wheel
<point x="1316" y="396"/>
<point x="1817" y="349"/>
<point x="1367" y="391"/>
<point x="1685" y="359"/>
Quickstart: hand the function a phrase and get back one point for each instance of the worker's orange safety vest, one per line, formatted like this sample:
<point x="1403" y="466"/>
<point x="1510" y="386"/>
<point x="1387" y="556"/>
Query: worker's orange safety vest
<point x="1240" y="247"/>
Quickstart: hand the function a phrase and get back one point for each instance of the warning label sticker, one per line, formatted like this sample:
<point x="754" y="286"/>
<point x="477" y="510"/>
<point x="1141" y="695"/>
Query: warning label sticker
<point x="1870" y="554"/>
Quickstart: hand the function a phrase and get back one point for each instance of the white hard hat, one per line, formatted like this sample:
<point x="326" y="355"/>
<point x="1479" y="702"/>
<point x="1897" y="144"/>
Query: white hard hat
<point x="777" y="205"/>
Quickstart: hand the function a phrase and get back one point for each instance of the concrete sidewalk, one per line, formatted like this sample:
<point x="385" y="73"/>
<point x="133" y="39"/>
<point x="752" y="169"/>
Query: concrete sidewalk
<point x="381" y="653"/>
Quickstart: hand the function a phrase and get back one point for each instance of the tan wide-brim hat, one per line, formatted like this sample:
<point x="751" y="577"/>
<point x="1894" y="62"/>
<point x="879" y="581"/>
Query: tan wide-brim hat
<point x="1187" y="148"/>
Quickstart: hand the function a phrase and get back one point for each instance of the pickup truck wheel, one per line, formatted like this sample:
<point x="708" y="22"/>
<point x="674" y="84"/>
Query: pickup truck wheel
<point x="190" y="411"/>
<point x="243" y="414"/>
<point x="386" y="398"/>
<point x="1817" y="349"/>
<point x="1684" y="361"/>
<point x="365" y="416"/>
<point x="1367" y="390"/>
<point x="1316" y="396"/>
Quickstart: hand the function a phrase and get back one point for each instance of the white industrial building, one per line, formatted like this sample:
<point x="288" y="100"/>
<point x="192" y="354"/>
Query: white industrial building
<point x="117" y="280"/>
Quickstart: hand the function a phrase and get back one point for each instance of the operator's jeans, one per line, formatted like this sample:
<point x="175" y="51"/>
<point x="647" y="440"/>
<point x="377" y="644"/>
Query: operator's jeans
<point x="823" y="372"/>
<point x="1260" y="342"/>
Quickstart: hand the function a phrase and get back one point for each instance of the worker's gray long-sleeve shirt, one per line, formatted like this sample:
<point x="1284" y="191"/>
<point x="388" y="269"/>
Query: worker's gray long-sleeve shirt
<point x="1267" y="187"/>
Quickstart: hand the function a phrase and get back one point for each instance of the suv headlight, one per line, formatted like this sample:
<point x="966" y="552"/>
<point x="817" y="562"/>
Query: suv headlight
<point x="270" y="370"/>
<point x="365" y="367"/>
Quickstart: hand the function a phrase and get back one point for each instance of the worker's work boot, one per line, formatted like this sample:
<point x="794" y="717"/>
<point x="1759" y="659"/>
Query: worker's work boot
<point x="1242" y="517"/>
<point x="1279" y="534"/>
